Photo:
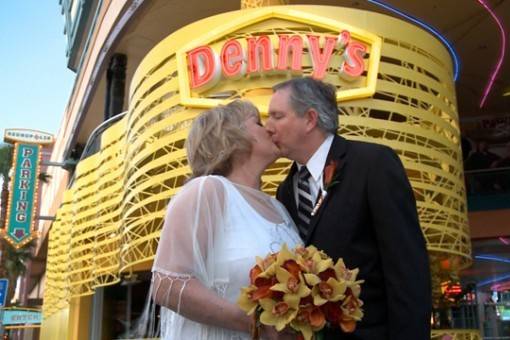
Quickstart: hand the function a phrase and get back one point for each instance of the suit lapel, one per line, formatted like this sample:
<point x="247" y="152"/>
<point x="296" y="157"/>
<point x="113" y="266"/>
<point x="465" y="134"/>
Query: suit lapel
<point x="336" y="152"/>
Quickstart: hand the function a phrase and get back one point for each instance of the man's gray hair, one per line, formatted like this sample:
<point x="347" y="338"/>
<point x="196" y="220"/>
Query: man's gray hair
<point x="309" y="93"/>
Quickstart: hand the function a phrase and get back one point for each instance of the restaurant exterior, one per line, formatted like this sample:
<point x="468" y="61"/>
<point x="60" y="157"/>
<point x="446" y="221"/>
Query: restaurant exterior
<point x="394" y="87"/>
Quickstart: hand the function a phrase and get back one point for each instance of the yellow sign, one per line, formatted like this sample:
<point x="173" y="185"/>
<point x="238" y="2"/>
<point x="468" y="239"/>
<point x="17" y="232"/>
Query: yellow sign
<point x="233" y="52"/>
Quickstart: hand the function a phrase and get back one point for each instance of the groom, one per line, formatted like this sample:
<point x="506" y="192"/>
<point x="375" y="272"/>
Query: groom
<point x="368" y="216"/>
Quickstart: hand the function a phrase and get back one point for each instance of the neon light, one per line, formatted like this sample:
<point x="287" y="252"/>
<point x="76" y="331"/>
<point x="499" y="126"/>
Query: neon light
<point x="501" y="286"/>
<point x="260" y="46"/>
<point x="286" y="42"/>
<point x="492" y="258"/>
<point x="320" y="61"/>
<point x="202" y="61"/>
<point x="353" y="65"/>
<point x="231" y="57"/>
<point x="504" y="240"/>
<point x="205" y="67"/>
<point x="455" y="57"/>
<point x="496" y="279"/>
<point x="501" y="56"/>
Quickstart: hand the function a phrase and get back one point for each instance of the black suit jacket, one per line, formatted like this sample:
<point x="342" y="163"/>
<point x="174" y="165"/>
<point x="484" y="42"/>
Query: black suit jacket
<point x="369" y="219"/>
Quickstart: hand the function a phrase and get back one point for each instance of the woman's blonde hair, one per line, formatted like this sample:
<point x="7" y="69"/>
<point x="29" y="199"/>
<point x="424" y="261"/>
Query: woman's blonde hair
<point x="216" y="136"/>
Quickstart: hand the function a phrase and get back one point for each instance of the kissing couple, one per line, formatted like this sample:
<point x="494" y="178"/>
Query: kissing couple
<point x="362" y="210"/>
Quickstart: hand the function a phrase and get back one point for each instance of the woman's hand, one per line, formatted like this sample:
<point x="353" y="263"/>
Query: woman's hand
<point x="270" y="333"/>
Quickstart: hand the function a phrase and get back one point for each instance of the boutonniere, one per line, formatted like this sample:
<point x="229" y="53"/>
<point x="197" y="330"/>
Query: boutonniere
<point x="330" y="179"/>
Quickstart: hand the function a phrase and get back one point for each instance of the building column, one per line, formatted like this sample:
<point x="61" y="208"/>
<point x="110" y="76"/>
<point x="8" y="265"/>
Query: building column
<point x="115" y="85"/>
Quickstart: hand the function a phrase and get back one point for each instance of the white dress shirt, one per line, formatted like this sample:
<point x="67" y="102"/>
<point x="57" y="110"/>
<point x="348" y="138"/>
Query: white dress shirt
<point x="315" y="166"/>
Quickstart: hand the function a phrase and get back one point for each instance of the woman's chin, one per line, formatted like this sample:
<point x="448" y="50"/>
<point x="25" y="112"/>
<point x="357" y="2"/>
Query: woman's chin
<point x="277" y="152"/>
<point x="276" y="156"/>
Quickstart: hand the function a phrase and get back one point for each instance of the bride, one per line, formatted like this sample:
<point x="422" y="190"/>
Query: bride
<point x="216" y="225"/>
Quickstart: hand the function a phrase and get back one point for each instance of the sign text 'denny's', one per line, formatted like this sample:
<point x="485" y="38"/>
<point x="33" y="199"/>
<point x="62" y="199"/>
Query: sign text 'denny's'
<point x="206" y="67"/>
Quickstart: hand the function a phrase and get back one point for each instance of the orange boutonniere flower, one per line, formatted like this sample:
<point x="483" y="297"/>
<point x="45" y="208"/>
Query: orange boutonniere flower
<point x="330" y="178"/>
<point x="330" y="175"/>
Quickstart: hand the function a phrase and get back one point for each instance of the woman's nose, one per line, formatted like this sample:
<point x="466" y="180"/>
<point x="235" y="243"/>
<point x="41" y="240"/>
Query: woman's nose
<point x="269" y="126"/>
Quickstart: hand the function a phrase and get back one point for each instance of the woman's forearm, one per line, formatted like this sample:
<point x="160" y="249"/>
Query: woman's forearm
<point x="199" y="303"/>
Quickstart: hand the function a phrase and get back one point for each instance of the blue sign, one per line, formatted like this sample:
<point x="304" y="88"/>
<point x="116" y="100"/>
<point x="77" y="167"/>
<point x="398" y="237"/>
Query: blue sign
<point x="4" y="285"/>
<point x="21" y="317"/>
<point x="23" y="197"/>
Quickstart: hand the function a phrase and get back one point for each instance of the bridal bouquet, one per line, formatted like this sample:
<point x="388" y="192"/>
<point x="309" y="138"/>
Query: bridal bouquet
<point x="304" y="290"/>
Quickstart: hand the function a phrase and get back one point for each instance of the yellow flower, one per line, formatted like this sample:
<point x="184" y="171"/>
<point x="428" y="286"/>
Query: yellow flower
<point x="315" y="264"/>
<point x="352" y="307"/>
<point x="267" y="265"/>
<point x="351" y="312"/>
<point x="355" y="288"/>
<point x="306" y="253"/>
<point x="278" y="313"/>
<point x="245" y="301"/>
<point x="342" y="272"/>
<point x="284" y="255"/>
<point x="324" y="291"/>
<point x="293" y="288"/>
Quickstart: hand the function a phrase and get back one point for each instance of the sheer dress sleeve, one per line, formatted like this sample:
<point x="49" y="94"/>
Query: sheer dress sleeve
<point x="194" y="219"/>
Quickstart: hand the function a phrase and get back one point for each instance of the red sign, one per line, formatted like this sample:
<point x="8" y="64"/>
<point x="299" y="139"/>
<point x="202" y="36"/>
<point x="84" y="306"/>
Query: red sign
<point x="206" y="67"/>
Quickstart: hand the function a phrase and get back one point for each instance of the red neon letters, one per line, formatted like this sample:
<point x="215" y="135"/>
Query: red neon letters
<point x="206" y="67"/>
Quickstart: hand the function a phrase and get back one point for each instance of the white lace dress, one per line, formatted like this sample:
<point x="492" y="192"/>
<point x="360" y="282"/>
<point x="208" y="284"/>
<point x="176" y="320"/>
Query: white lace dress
<point x="213" y="230"/>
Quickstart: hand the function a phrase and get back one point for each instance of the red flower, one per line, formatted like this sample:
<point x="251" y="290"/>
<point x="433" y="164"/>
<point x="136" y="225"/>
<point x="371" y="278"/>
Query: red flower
<point x="333" y="312"/>
<point x="325" y="275"/>
<point x="330" y="174"/>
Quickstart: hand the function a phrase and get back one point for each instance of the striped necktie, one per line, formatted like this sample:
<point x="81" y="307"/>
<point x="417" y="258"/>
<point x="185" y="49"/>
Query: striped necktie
<point x="305" y="205"/>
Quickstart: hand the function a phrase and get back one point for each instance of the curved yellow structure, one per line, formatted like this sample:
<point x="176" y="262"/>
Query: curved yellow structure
<point x="455" y="334"/>
<point x="110" y="221"/>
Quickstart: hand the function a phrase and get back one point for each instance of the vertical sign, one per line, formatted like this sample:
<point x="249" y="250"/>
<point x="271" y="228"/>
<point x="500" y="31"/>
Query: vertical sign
<point x="21" y="206"/>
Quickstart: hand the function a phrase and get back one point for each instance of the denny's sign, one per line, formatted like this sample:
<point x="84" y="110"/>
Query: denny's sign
<point x="256" y="51"/>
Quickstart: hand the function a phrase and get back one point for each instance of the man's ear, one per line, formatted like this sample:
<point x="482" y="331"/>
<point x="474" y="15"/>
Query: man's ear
<point x="312" y="118"/>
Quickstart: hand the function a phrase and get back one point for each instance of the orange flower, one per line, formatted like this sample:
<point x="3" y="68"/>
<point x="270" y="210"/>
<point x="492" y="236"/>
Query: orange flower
<point x="317" y="318"/>
<point x="292" y="267"/>
<point x="254" y="273"/>
<point x="330" y="174"/>
<point x="309" y="319"/>
<point x="263" y="288"/>
<point x="329" y="171"/>
<point x="348" y="325"/>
